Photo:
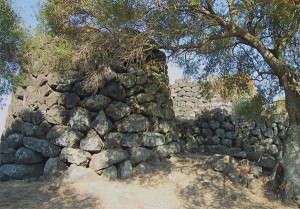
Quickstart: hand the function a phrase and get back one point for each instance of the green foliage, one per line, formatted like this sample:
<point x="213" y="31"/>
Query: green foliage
<point x="11" y="38"/>
<point x="252" y="108"/>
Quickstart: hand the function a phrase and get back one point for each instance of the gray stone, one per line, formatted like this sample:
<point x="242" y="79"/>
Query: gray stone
<point x="151" y="139"/>
<point x="14" y="141"/>
<point x="43" y="129"/>
<point x="252" y="184"/>
<point x="80" y="119"/>
<point x="140" y="154"/>
<point x="102" y="124"/>
<point x="215" y="149"/>
<point x="127" y="80"/>
<point x="130" y="140"/>
<point x="125" y="170"/>
<point x="273" y="150"/>
<point x="8" y="157"/>
<point x="52" y="99"/>
<point x="82" y="89"/>
<point x="28" y="129"/>
<point x="152" y="109"/>
<point x="107" y="158"/>
<point x="133" y="123"/>
<point x="220" y="133"/>
<point x="167" y="150"/>
<point x="218" y="116"/>
<point x="28" y="115"/>
<point x="227" y="126"/>
<point x="215" y="140"/>
<point x="226" y="142"/>
<point x="64" y="136"/>
<point x="27" y="156"/>
<point x="113" y="140"/>
<point x="54" y="168"/>
<point x="254" y="156"/>
<point x="230" y="135"/>
<point x="214" y="124"/>
<point x="115" y="91"/>
<point x="53" y="80"/>
<point x="110" y="173"/>
<point x="134" y="90"/>
<point x="256" y="132"/>
<point x="269" y="133"/>
<point x="75" y="156"/>
<point x="268" y="163"/>
<point x="40" y="80"/>
<point x="142" y="168"/>
<point x="68" y="100"/>
<point x="42" y="146"/>
<point x="143" y="97"/>
<point x="19" y="172"/>
<point x="256" y="171"/>
<point x="57" y="115"/>
<point x="92" y="142"/>
<point x="77" y="173"/>
<point x="3" y="177"/>
<point x="267" y="141"/>
<point x="117" y="110"/>
<point x="168" y="113"/>
<point x="95" y="102"/>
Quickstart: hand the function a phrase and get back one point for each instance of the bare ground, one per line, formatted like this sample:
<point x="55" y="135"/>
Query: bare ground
<point x="180" y="183"/>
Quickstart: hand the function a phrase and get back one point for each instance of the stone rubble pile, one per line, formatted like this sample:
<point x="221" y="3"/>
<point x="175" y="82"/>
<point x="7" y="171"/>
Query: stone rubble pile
<point x="126" y="125"/>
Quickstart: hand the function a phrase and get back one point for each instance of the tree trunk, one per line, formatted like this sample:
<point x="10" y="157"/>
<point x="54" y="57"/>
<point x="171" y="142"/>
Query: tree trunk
<point x="291" y="158"/>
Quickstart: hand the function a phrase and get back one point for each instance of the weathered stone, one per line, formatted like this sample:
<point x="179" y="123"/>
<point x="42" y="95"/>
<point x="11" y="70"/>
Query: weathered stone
<point x="14" y="141"/>
<point x="230" y="135"/>
<point x="127" y="80"/>
<point x="215" y="140"/>
<point x="256" y="171"/>
<point x="92" y="142"/>
<point x="226" y="142"/>
<point x="215" y="149"/>
<point x="110" y="173"/>
<point x="167" y="150"/>
<point x="80" y="119"/>
<point x="114" y="91"/>
<point x="214" y="124"/>
<point x="28" y="156"/>
<point x="143" y="97"/>
<point x="254" y="156"/>
<point x="40" y="80"/>
<point x="28" y="115"/>
<point x="107" y="158"/>
<point x="220" y="133"/>
<point x="3" y="177"/>
<point x="269" y="133"/>
<point x="57" y="115"/>
<point x="64" y="136"/>
<point x="218" y="116"/>
<point x="27" y="129"/>
<point x="125" y="170"/>
<point x="75" y="156"/>
<point x="117" y="110"/>
<point x="142" y="168"/>
<point x="113" y="140"/>
<point x="140" y="154"/>
<point x="134" y="90"/>
<point x="53" y="80"/>
<point x="252" y="184"/>
<point x="43" y="129"/>
<point x="82" y="91"/>
<point x="130" y="140"/>
<point x="133" y="123"/>
<point x="267" y="141"/>
<point x="42" y="146"/>
<point x="52" y="99"/>
<point x="68" y="100"/>
<point x="227" y="126"/>
<point x="151" y="139"/>
<point x="191" y="144"/>
<point x="54" y="168"/>
<point x="19" y="172"/>
<point x="45" y="91"/>
<point x="152" y="109"/>
<point x="76" y="173"/>
<point x="8" y="157"/>
<point x="102" y="124"/>
<point x="96" y="102"/>
<point x="268" y="163"/>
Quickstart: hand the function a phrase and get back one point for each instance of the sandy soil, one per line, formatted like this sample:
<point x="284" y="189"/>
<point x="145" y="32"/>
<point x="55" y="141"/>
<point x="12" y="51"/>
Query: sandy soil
<point x="180" y="183"/>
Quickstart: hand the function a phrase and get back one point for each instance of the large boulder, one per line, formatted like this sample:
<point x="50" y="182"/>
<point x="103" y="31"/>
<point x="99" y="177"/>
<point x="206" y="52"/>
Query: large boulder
<point x="28" y="156"/>
<point x="42" y="146"/>
<point x="57" y="115"/>
<point x="19" y="172"/>
<point x="80" y="119"/>
<point x="117" y="110"/>
<point x="115" y="91"/>
<point x="108" y="158"/>
<point x="151" y="139"/>
<point x="140" y="154"/>
<point x="92" y="142"/>
<point x="14" y="141"/>
<point x="68" y="100"/>
<point x="102" y="124"/>
<point x="64" y="136"/>
<point x="96" y="102"/>
<point x="133" y="123"/>
<point x="75" y="156"/>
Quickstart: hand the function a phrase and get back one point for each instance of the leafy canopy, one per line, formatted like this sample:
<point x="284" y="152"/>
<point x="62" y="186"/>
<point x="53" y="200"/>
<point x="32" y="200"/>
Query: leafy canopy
<point x="11" y="37"/>
<point x="259" y="38"/>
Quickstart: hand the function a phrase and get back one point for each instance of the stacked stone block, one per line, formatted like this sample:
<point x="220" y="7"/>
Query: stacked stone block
<point x="126" y="125"/>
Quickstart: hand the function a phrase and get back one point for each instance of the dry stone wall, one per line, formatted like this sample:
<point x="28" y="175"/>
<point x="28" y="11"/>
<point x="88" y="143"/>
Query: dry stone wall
<point x="126" y="126"/>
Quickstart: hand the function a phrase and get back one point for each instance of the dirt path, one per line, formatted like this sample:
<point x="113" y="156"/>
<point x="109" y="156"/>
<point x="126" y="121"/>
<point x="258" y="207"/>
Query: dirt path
<point x="180" y="184"/>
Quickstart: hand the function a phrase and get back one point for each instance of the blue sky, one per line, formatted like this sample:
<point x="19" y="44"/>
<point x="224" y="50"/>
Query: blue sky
<point x="27" y="10"/>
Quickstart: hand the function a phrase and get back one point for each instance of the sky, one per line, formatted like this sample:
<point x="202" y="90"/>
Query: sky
<point x="27" y="10"/>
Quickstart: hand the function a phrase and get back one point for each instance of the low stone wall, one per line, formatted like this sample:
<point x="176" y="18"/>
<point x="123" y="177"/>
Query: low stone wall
<point x="126" y="125"/>
<point x="217" y="132"/>
<point x="188" y="102"/>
